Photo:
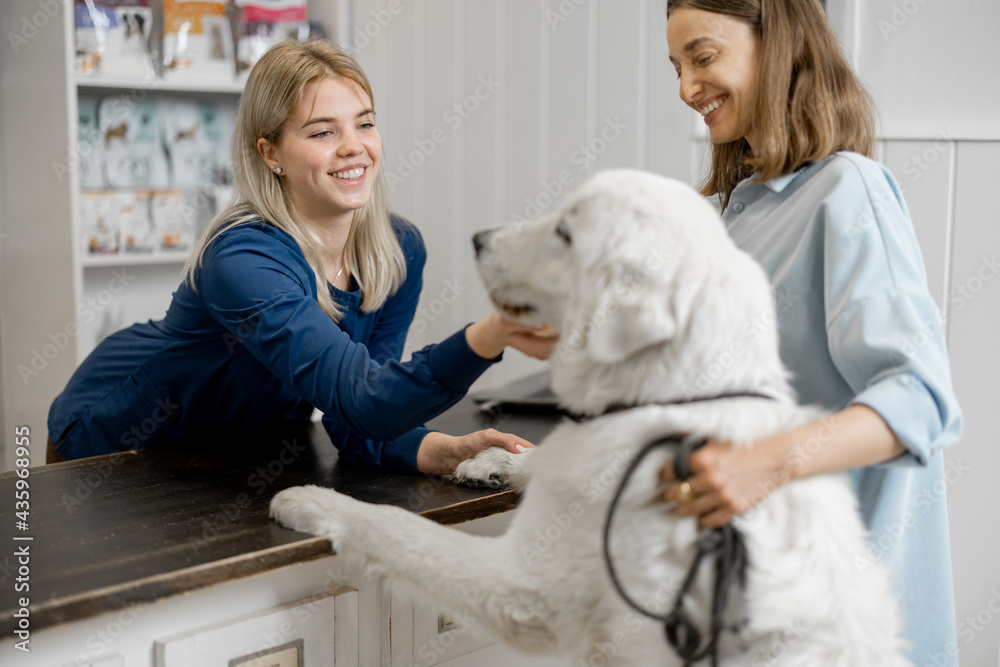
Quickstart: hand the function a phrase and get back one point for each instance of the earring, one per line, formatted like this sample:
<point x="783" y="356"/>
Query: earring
<point x="276" y="170"/>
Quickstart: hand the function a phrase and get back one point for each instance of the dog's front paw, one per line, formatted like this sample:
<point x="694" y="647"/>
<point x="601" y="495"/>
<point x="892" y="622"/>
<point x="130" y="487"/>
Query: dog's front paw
<point x="493" y="468"/>
<point x="316" y="510"/>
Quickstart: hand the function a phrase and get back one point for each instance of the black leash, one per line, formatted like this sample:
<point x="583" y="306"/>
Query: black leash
<point x="725" y="543"/>
<point x="621" y="407"/>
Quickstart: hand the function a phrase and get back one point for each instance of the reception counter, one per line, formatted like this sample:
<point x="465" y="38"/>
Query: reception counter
<point x="131" y="529"/>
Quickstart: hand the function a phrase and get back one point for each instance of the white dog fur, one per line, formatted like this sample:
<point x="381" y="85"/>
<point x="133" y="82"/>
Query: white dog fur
<point x="653" y="303"/>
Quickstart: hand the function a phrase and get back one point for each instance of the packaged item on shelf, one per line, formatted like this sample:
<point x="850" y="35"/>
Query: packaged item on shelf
<point x="97" y="223"/>
<point x="89" y="144"/>
<point x="197" y="42"/>
<point x="135" y="222"/>
<point x="112" y="39"/>
<point x="264" y="23"/>
<point x="131" y="143"/>
<point x="191" y="133"/>
<point x="226" y="117"/>
<point x="179" y="216"/>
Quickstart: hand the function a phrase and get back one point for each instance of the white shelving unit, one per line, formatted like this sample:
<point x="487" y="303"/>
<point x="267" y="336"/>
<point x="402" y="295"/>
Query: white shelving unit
<point x="48" y="286"/>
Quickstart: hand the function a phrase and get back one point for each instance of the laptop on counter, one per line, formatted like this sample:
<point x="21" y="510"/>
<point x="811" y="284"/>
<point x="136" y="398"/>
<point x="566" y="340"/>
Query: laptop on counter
<point x="529" y="394"/>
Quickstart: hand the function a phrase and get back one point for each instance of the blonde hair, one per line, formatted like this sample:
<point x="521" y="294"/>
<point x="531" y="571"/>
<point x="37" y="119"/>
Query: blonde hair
<point x="808" y="104"/>
<point x="272" y="93"/>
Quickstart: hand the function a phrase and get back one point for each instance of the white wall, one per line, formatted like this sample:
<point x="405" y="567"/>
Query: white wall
<point x="36" y="259"/>
<point x="546" y="94"/>
<point x="932" y="67"/>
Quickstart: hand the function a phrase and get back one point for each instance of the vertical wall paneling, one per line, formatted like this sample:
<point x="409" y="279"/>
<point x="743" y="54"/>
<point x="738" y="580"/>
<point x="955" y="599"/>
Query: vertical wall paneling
<point x="923" y="171"/>
<point x="642" y="93"/>
<point x="507" y="106"/>
<point x="613" y="139"/>
<point x="666" y="134"/>
<point x="896" y="59"/>
<point x="570" y="111"/>
<point x="526" y="113"/>
<point x="482" y="123"/>
<point x="974" y="329"/>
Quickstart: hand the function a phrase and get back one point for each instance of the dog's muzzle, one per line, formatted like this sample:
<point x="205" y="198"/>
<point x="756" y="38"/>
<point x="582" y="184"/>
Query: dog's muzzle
<point x="480" y="239"/>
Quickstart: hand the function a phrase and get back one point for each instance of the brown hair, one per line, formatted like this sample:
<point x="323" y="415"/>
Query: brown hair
<point x="270" y="97"/>
<point x="808" y="105"/>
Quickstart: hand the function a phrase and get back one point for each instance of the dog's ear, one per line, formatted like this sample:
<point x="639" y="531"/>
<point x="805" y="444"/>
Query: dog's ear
<point x="626" y="321"/>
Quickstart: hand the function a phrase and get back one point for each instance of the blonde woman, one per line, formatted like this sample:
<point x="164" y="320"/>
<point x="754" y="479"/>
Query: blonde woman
<point x="299" y="295"/>
<point x="792" y="139"/>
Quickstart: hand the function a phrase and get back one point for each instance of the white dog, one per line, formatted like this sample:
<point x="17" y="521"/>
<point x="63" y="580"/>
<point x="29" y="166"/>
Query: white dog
<point x="654" y="304"/>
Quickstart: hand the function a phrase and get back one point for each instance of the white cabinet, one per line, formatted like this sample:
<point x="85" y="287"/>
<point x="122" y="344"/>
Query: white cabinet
<point x="319" y="630"/>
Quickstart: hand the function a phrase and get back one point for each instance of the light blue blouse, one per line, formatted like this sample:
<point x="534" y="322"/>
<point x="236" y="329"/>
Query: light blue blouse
<point x="858" y="326"/>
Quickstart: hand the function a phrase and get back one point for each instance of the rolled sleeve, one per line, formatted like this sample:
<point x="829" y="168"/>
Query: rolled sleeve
<point x="884" y="331"/>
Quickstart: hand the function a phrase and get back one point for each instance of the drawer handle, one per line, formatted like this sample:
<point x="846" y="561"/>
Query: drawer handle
<point x="446" y="624"/>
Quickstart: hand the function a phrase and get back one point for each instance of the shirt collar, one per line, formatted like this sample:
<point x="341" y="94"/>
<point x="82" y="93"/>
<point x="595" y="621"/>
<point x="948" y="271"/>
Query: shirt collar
<point x="781" y="182"/>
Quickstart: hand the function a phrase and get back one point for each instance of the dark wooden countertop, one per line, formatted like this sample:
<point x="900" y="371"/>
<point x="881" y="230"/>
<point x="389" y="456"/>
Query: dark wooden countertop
<point x="139" y="526"/>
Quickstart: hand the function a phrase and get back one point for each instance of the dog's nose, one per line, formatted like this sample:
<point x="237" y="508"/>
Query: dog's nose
<point x="479" y="240"/>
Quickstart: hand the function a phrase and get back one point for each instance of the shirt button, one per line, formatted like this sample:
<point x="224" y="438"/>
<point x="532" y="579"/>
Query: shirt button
<point x="738" y="207"/>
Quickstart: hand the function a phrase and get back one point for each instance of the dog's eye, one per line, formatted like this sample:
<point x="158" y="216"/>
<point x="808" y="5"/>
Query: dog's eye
<point x="562" y="231"/>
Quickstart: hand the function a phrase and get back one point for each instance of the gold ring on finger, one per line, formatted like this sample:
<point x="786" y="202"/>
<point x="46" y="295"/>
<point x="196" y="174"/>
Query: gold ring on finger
<point x="685" y="493"/>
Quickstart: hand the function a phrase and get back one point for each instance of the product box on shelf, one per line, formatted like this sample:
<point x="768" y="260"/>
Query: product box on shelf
<point x="225" y="124"/>
<point x="98" y="225"/>
<point x="135" y="222"/>
<point x="264" y="23"/>
<point x="179" y="216"/>
<point x="113" y="38"/>
<point x="131" y="142"/>
<point x="91" y="155"/>
<point x="197" y="42"/>
<point x="191" y="131"/>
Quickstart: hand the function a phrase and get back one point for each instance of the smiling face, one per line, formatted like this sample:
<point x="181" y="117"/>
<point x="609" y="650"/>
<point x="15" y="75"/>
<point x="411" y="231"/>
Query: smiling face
<point x="716" y="60"/>
<point x="329" y="151"/>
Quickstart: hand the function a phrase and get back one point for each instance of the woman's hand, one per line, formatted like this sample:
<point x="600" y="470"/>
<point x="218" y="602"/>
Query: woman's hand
<point x="440" y="454"/>
<point x="489" y="336"/>
<point x="728" y="479"/>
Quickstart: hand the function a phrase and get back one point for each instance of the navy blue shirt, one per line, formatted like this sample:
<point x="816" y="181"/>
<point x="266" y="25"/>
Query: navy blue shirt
<point x="251" y="348"/>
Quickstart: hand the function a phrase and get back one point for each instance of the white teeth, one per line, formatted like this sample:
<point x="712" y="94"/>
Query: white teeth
<point x="351" y="174"/>
<point x="704" y="111"/>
